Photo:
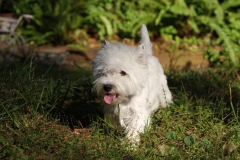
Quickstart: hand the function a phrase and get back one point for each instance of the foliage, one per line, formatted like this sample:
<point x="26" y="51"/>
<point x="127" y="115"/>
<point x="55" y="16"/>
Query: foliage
<point x="174" y="18"/>
<point x="123" y="17"/>
<point x="56" y="20"/>
<point x="223" y="20"/>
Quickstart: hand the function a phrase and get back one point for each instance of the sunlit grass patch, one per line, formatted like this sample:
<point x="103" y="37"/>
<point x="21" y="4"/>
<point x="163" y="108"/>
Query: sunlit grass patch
<point x="181" y="133"/>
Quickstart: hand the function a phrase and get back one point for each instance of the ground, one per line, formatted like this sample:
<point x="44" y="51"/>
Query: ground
<point x="169" y="53"/>
<point x="190" y="57"/>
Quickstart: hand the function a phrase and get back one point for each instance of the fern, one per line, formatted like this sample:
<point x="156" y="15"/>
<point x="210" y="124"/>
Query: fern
<point x="107" y="24"/>
<point x="172" y="19"/>
<point x="227" y="41"/>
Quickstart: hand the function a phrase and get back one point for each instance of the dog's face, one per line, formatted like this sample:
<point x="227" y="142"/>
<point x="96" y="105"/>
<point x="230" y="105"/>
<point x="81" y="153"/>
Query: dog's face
<point x="120" y="72"/>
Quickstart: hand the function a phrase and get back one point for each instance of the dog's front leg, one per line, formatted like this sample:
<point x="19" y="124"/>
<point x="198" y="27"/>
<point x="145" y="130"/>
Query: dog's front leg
<point x="136" y="126"/>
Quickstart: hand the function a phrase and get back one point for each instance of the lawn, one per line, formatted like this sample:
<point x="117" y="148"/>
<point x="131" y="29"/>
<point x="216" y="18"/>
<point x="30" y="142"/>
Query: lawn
<point x="51" y="113"/>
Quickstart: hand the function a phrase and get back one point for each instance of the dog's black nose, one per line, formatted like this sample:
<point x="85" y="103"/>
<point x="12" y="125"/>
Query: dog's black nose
<point x="107" y="87"/>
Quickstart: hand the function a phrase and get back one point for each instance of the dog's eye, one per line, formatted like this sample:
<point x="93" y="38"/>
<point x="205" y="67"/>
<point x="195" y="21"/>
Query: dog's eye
<point x="99" y="73"/>
<point x="123" y="73"/>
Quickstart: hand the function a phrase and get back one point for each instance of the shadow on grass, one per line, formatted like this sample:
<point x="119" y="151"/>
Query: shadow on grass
<point x="79" y="110"/>
<point x="78" y="106"/>
<point x="56" y="92"/>
<point x="216" y="88"/>
<point x="67" y="91"/>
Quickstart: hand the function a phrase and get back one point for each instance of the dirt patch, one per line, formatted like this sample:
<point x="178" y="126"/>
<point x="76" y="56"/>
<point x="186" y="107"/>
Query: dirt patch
<point x="189" y="58"/>
<point x="170" y="56"/>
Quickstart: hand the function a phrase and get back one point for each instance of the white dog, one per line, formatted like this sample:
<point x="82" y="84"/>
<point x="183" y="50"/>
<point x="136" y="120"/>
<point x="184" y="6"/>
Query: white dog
<point x="132" y="83"/>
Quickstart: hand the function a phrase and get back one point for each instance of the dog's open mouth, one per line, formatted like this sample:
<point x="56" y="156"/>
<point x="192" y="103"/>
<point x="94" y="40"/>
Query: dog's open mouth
<point x="109" y="98"/>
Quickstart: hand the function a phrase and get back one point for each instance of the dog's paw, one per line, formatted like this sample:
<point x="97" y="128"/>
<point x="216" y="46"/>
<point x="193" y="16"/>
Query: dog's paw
<point x="131" y="143"/>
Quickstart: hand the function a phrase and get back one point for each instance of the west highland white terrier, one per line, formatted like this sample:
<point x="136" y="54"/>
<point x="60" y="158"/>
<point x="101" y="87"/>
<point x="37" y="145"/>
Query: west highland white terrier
<point x="132" y="83"/>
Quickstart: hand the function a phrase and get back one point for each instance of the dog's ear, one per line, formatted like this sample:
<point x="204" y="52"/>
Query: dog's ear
<point x="141" y="56"/>
<point x="141" y="46"/>
<point x="141" y="49"/>
<point x="105" y="43"/>
<point x="145" y="40"/>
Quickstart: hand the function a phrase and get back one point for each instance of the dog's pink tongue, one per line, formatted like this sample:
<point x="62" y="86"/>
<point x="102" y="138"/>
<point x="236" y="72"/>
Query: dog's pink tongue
<point x="109" y="98"/>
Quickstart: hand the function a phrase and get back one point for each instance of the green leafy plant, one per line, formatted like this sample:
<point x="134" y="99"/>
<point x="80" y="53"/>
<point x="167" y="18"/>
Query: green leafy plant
<point x="220" y="17"/>
<point x="189" y="140"/>
<point x="56" y="21"/>
<point x="53" y="22"/>
<point x="122" y="17"/>
<point x="180" y="18"/>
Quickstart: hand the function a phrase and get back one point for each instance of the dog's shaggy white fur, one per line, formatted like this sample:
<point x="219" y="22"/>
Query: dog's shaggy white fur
<point x="132" y="82"/>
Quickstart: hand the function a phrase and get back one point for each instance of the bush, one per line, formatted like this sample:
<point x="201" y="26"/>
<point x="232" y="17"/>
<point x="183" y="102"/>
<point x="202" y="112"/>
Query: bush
<point x="56" y="20"/>
<point x="170" y="19"/>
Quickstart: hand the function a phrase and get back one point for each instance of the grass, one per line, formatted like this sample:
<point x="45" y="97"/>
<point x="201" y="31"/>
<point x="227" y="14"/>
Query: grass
<point x="50" y="113"/>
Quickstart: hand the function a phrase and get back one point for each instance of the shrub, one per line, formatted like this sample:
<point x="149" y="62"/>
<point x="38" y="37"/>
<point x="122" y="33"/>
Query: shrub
<point x="54" y="20"/>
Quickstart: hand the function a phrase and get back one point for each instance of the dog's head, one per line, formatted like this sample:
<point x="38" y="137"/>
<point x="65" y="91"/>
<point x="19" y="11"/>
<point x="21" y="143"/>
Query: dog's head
<point x="121" y="71"/>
